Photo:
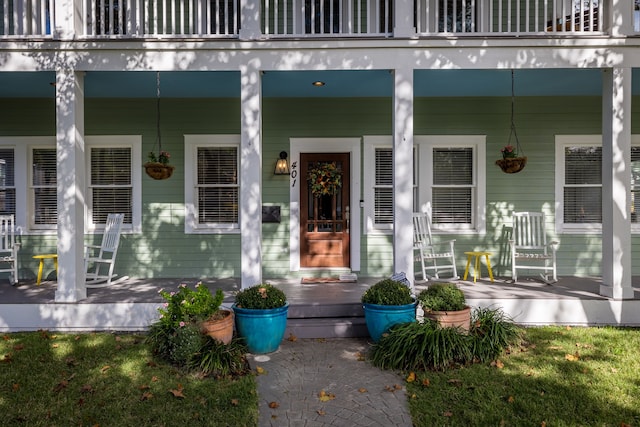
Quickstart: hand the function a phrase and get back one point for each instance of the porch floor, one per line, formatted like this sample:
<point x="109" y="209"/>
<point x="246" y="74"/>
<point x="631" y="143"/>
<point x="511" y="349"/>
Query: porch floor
<point x="332" y="308"/>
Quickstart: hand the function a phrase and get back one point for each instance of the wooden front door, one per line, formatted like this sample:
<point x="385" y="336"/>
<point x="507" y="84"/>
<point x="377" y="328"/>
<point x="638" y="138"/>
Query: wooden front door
<point x="324" y="219"/>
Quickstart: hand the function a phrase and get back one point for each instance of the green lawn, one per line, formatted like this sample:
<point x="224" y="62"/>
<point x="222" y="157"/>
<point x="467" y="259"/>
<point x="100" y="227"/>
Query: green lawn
<point x="560" y="377"/>
<point x="102" y="379"/>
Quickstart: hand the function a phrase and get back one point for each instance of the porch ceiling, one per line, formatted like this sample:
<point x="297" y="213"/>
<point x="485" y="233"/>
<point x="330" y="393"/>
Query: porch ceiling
<point x="361" y="83"/>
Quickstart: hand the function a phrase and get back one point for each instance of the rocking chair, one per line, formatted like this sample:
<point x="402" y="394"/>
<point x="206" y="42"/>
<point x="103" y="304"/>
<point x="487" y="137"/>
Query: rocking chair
<point x="9" y="248"/>
<point x="529" y="247"/>
<point x="100" y="260"/>
<point x="436" y="256"/>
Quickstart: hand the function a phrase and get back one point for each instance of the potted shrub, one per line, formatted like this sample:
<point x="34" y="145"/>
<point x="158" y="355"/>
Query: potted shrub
<point x="185" y="316"/>
<point x="261" y="317"/>
<point x="446" y="304"/>
<point x="386" y="303"/>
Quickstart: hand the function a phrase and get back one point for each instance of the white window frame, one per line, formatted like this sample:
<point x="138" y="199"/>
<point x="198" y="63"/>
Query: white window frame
<point x="424" y="145"/>
<point x="45" y="228"/>
<point x="134" y="142"/>
<point x="191" y="145"/>
<point x="563" y="141"/>
<point x="20" y="145"/>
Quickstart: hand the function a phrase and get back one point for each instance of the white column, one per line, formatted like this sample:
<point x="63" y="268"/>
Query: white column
<point x="403" y="172"/>
<point x="70" y="152"/>
<point x="251" y="175"/>
<point x="616" y="183"/>
<point x="621" y="17"/>
<point x="67" y="18"/>
<point x="403" y="14"/>
<point x="250" y="20"/>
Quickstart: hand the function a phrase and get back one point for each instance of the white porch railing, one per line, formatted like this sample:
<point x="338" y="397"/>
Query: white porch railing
<point x="166" y="18"/>
<point x="26" y="17"/>
<point x="327" y="17"/>
<point x="507" y="16"/>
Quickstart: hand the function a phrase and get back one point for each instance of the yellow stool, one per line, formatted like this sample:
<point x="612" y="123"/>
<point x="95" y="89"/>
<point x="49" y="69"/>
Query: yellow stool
<point x="476" y="271"/>
<point x="54" y="257"/>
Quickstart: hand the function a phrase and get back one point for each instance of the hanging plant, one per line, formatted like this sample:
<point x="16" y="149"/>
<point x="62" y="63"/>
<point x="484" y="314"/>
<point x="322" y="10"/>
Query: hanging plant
<point x="325" y="179"/>
<point x="158" y="167"/>
<point x="512" y="161"/>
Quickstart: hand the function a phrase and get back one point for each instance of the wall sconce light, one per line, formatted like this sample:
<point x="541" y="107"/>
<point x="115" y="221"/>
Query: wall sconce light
<point x="282" y="166"/>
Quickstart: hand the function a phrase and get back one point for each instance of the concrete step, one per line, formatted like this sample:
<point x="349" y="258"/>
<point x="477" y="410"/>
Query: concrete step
<point x="346" y="327"/>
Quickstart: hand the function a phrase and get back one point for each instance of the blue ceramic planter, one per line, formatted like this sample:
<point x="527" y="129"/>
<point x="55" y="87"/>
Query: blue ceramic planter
<point x="380" y="318"/>
<point x="262" y="330"/>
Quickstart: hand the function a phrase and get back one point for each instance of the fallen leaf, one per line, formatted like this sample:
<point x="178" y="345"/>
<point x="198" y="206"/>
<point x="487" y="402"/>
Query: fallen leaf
<point x="8" y="358"/>
<point x="235" y="402"/>
<point x="411" y="377"/>
<point x="426" y="382"/>
<point x="154" y="379"/>
<point x="105" y="369"/>
<point x="6" y="337"/>
<point x="87" y="388"/>
<point x="362" y="390"/>
<point x="572" y="357"/>
<point x="71" y="361"/>
<point x="15" y="387"/>
<point x="146" y="396"/>
<point x="292" y="338"/>
<point x="455" y="381"/>
<point x="447" y="414"/>
<point x="360" y="357"/>
<point x="144" y="387"/>
<point x="77" y="337"/>
<point x="54" y="346"/>
<point x="61" y="385"/>
<point x="274" y="405"/>
<point x="325" y="397"/>
<point x="543" y="424"/>
<point x="321" y="412"/>
<point x="511" y="399"/>
<point x="498" y="364"/>
<point x="118" y="339"/>
<point x="177" y="393"/>
<point x="80" y="402"/>
<point x="568" y="328"/>
<point x="18" y="347"/>
<point x="260" y="370"/>
<point x="152" y="363"/>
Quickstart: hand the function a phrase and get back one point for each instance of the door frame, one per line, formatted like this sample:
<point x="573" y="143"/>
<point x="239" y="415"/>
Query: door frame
<point x="324" y="145"/>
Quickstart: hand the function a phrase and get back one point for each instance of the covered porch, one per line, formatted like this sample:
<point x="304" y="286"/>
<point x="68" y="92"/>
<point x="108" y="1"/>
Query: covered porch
<point x="317" y="310"/>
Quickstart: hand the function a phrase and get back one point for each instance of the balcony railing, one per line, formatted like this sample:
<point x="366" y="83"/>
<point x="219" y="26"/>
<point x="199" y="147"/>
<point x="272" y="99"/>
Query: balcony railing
<point x="506" y="17"/>
<point x="304" y="18"/>
<point x="26" y="17"/>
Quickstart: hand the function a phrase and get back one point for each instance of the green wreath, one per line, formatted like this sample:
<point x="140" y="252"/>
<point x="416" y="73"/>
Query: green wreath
<point x="325" y="179"/>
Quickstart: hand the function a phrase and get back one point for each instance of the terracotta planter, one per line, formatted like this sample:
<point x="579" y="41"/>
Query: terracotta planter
<point x="451" y="319"/>
<point x="219" y="329"/>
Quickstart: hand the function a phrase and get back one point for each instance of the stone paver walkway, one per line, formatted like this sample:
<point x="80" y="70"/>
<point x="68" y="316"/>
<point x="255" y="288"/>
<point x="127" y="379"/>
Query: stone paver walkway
<point x="322" y="382"/>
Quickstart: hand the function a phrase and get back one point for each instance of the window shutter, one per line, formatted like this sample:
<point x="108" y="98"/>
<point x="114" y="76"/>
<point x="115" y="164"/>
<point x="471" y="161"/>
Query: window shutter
<point x="453" y="179"/>
<point x="44" y="186"/>
<point x="583" y="184"/>
<point x="635" y="182"/>
<point x="111" y="183"/>
<point x="383" y="186"/>
<point x="217" y="184"/>
<point x="7" y="182"/>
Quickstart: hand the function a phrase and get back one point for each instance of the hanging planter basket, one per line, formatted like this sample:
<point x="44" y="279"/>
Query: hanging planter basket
<point x="512" y="164"/>
<point x="158" y="170"/>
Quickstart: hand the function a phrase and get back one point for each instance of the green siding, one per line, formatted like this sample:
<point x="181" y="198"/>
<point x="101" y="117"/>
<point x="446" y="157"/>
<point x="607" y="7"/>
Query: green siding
<point x="163" y="250"/>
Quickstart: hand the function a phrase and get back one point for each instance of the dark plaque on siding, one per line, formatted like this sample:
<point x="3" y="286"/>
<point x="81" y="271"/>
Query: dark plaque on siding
<point x="271" y="214"/>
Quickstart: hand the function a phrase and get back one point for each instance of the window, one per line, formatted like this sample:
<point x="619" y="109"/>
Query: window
<point x="212" y="189"/>
<point x="114" y="180"/>
<point x="44" y="188"/>
<point x="579" y="183"/>
<point x="448" y="180"/>
<point x="7" y="181"/>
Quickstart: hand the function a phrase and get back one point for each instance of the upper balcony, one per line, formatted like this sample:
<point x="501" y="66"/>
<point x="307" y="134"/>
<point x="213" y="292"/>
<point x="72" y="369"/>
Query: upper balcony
<point x="149" y="19"/>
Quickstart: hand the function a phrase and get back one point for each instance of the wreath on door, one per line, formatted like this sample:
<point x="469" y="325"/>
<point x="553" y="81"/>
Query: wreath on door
<point x="325" y="179"/>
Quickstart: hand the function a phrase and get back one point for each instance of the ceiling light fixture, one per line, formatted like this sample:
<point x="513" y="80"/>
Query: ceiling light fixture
<point x="318" y="83"/>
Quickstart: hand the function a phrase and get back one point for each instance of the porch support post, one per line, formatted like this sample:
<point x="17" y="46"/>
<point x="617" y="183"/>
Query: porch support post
<point x="403" y="13"/>
<point x="403" y="172"/>
<point x="70" y="176"/>
<point x="67" y="19"/>
<point x="616" y="184"/>
<point x="250" y="20"/>
<point x="251" y="175"/>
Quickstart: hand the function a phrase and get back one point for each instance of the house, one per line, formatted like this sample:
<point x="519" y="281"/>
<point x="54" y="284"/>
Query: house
<point x="411" y="100"/>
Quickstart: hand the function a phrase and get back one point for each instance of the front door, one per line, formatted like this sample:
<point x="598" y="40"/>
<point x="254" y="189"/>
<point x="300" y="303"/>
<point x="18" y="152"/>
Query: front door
<point x="324" y="210"/>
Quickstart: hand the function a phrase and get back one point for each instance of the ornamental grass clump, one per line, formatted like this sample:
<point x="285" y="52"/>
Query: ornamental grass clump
<point x="388" y="292"/>
<point x="427" y="346"/>
<point x="442" y="297"/>
<point x="261" y="297"/>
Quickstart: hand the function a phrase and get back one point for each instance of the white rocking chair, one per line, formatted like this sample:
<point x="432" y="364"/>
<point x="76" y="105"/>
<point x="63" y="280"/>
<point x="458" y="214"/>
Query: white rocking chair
<point x="437" y="256"/>
<point x="529" y="247"/>
<point x="100" y="260"/>
<point x="9" y="248"/>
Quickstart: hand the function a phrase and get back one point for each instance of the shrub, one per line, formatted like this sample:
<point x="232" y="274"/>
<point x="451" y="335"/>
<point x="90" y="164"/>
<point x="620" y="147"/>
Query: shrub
<point x="187" y="305"/>
<point x="218" y="359"/>
<point x="175" y="345"/>
<point x="426" y="346"/>
<point x="442" y="297"/>
<point x="388" y="292"/>
<point x="262" y="296"/>
<point x="421" y="346"/>
<point x="492" y="332"/>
